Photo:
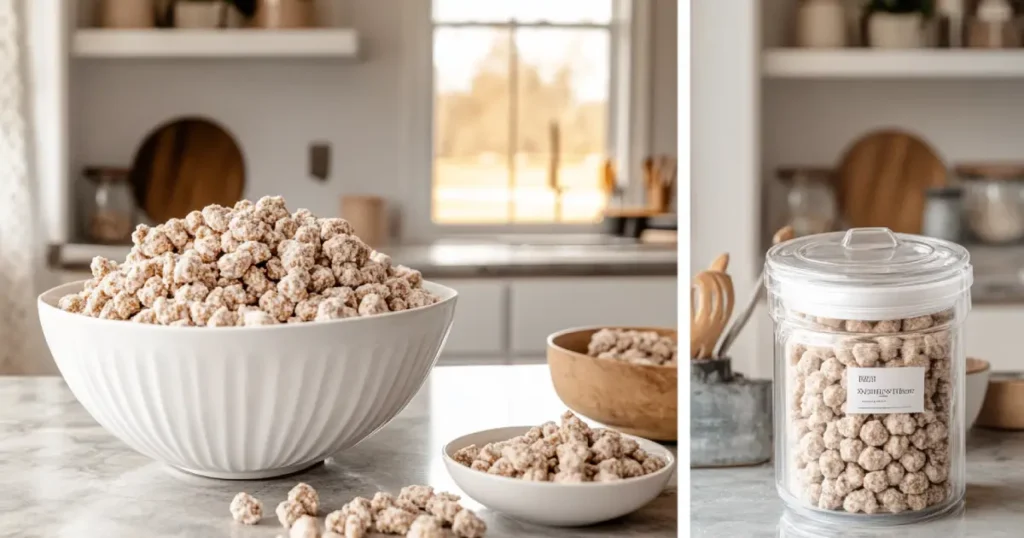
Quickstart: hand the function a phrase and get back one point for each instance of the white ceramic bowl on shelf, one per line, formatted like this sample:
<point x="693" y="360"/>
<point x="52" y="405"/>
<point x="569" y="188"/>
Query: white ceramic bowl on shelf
<point x="245" y="402"/>
<point x="553" y="504"/>
<point x="978" y="372"/>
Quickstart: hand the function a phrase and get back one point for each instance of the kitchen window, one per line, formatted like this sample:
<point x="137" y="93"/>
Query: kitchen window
<point x="529" y="98"/>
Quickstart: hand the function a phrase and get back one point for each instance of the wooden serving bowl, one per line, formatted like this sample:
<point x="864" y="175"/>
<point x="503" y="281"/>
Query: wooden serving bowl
<point x="636" y="399"/>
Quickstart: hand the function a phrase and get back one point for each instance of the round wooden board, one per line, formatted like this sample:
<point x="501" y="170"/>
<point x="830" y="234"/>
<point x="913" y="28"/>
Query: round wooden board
<point x="186" y="165"/>
<point x="883" y="178"/>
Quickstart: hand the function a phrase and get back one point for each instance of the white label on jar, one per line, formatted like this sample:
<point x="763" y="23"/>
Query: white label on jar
<point x="884" y="390"/>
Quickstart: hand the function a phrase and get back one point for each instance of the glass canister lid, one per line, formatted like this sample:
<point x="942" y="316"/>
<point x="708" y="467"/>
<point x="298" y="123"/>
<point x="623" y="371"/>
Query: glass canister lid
<point x="868" y="274"/>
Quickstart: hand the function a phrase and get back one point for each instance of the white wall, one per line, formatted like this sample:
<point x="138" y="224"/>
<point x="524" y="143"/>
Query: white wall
<point x="724" y="186"/>
<point x="664" y="73"/>
<point x="276" y="108"/>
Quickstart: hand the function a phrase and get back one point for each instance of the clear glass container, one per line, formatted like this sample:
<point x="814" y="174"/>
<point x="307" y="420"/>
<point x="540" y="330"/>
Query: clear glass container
<point x="111" y="218"/>
<point x="869" y="375"/>
<point x="810" y="199"/>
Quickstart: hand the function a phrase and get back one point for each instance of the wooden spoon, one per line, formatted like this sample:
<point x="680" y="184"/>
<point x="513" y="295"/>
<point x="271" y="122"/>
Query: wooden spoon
<point x="710" y="312"/>
<point x="784" y="234"/>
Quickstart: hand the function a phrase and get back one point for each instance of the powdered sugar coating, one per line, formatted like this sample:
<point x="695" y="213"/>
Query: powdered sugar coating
<point x="246" y="509"/>
<point x="638" y="347"/>
<point x="571" y="452"/>
<point x="203" y="269"/>
<point x="889" y="462"/>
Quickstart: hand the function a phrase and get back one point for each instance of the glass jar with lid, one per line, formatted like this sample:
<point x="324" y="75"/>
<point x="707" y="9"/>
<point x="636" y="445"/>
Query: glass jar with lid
<point x="111" y="218"/>
<point x="869" y="374"/>
<point x="810" y="199"/>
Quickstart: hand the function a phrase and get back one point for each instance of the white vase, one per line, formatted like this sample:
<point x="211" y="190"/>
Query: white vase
<point x="821" y="24"/>
<point x="896" y="30"/>
<point x="198" y="14"/>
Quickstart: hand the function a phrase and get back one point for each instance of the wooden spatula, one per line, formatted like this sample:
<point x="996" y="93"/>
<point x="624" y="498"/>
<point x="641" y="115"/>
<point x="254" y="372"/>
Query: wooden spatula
<point x="710" y="312"/>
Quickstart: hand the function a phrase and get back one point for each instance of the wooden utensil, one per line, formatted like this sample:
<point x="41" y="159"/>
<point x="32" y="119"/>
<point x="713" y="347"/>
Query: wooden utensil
<point x="608" y="181"/>
<point x="711" y="304"/>
<point x="185" y="165"/>
<point x="721" y="263"/>
<point x="784" y="234"/>
<point x="648" y="173"/>
<point x="882" y="181"/>
<point x="666" y="171"/>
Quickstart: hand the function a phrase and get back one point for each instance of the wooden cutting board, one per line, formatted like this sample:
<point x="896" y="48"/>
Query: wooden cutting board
<point x="185" y="165"/>
<point x="882" y="180"/>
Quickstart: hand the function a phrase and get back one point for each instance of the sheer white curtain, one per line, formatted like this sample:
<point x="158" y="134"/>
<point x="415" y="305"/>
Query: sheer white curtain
<point x="19" y="246"/>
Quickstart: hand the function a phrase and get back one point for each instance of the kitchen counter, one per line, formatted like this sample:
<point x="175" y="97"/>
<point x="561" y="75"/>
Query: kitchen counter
<point x="64" y="476"/>
<point x="499" y="256"/>
<point x="743" y="501"/>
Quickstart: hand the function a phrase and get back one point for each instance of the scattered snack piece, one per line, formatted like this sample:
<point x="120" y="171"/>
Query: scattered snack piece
<point x="426" y="514"/>
<point x="249" y="265"/>
<point x="468" y="525"/>
<point x="568" y="453"/>
<point x="637" y="347"/>
<point x="305" y="495"/>
<point x="288" y="512"/>
<point x="394" y="521"/>
<point x="425" y="527"/>
<point x="416" y="496"/>
<point x="444" y="506"/>
<point x="305" y="527"/>
<point x="246" y="509"/>
<point x="416" y="511"/>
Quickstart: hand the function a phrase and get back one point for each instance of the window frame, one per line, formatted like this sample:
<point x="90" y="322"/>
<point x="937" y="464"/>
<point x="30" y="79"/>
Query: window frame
<point x="629" y="118"/>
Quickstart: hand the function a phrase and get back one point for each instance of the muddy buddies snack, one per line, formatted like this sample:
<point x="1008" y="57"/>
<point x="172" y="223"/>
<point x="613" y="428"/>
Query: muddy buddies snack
<point x="253" y="264"/>
<point x="872" y="367"/>
<point x="246" y="509"/>
<point x="569" y="452"/>
<point x="637" y="347"/>
<point x="417" y="512"/>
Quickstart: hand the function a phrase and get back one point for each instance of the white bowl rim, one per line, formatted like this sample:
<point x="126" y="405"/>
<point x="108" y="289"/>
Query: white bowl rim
<point x="670" y="463"/>
<point x="988" y="367"/>
<point x="447" y="295"/>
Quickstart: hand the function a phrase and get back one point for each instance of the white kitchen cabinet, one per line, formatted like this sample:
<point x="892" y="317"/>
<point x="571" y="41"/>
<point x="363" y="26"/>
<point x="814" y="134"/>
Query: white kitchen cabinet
<point x="541" y="306"/>
<point x="480" y="318"/>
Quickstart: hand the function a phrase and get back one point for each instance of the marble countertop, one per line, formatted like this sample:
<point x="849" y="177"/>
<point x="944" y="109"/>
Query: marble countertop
<point x="743" y="502"/>
<point x="471" y="257"/>
<point x="64" y="476"/>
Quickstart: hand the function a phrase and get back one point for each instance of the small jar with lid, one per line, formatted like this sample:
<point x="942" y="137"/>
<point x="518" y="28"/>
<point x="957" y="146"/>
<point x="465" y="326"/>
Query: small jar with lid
<point x="810" y="199"/>
<point x="111" y="218"/>
<point x="869" y="375"/>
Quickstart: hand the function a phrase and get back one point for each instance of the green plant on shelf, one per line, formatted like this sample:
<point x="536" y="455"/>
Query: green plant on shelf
<point x="925" y="7"/>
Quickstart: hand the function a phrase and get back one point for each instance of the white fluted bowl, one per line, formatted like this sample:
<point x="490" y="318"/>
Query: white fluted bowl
<point x="245" y="402"/>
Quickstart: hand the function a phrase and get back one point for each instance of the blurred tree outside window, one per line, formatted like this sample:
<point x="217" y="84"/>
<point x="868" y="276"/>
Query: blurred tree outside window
<point x="522" y="94"/>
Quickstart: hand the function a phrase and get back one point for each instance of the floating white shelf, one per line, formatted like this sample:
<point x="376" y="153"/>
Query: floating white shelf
<point x="241" y="43"/>
<point x="892" y="64"/>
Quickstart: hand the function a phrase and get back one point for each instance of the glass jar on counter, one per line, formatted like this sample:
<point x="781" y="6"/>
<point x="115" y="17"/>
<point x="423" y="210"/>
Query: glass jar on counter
<point x="111" y="218"/>
<point x="869" y="370"/>
<point x="810" y="199"/>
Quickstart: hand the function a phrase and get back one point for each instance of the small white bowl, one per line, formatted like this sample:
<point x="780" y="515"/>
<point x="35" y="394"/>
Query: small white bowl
<point x="548" y="503"/>
<point x="976" y="386"/>
<point x="245" y="402"/>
